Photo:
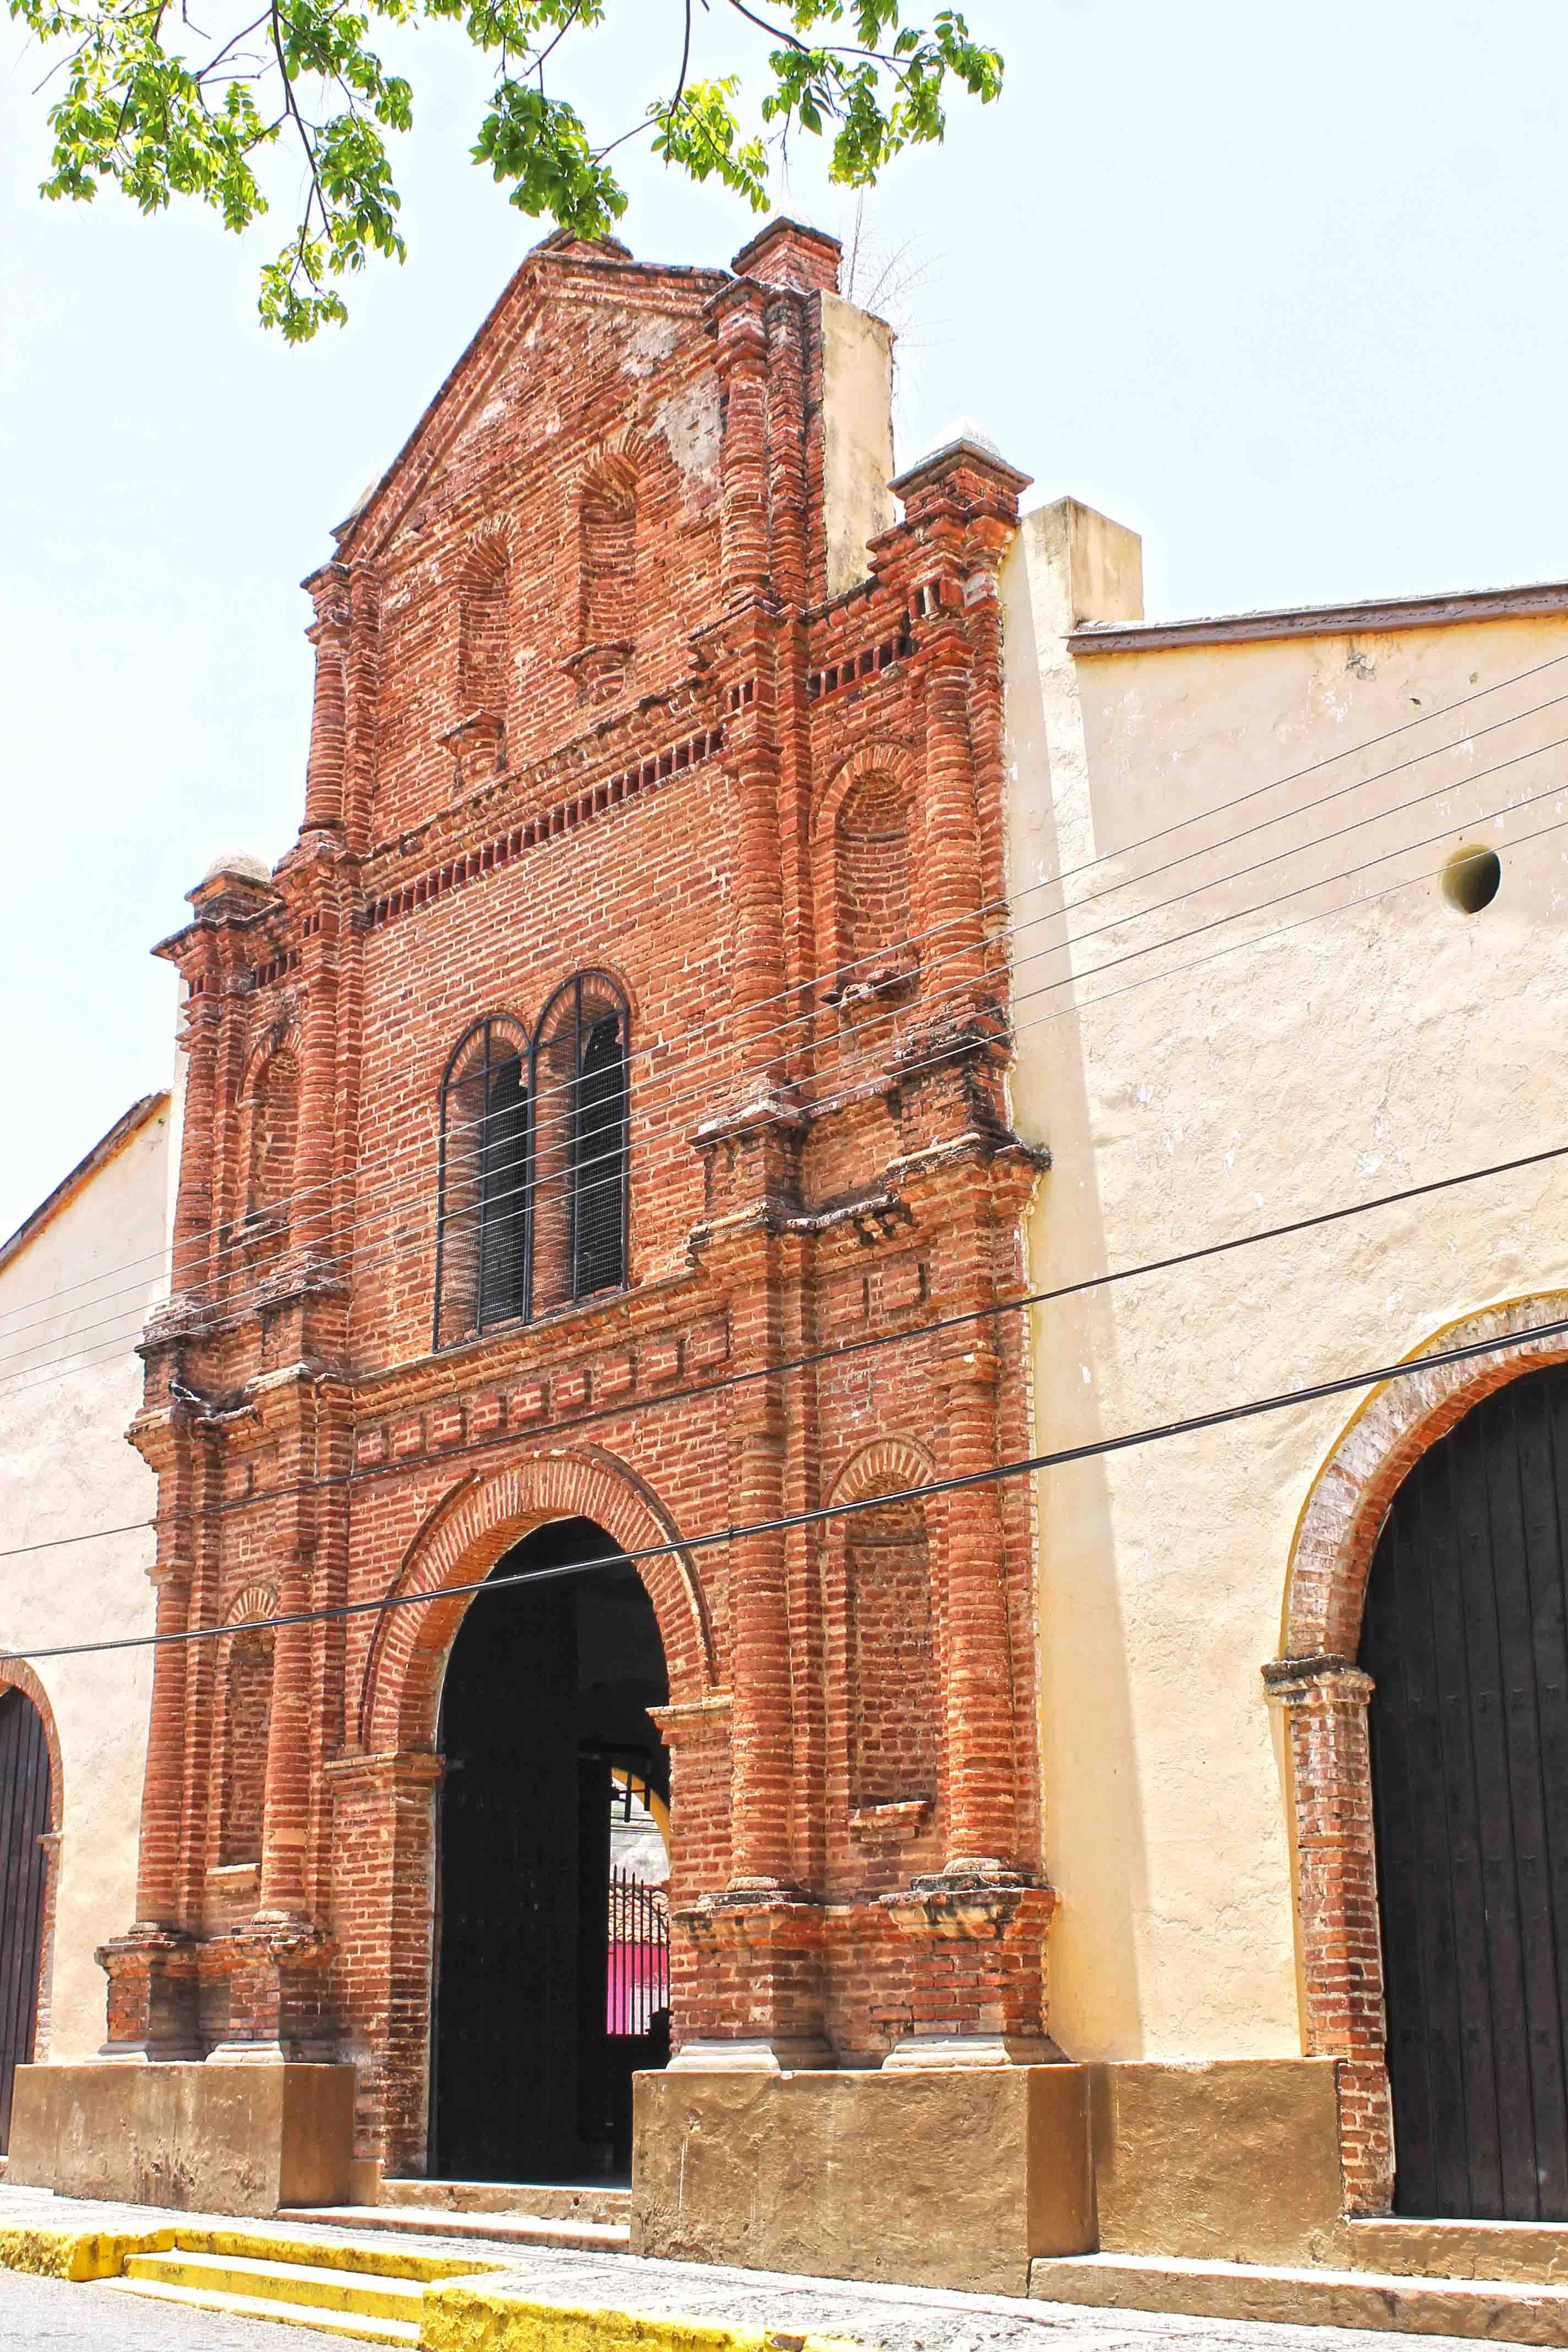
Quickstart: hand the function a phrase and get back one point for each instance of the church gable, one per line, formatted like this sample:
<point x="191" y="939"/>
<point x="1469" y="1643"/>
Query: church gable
<point x="540" y="539"/>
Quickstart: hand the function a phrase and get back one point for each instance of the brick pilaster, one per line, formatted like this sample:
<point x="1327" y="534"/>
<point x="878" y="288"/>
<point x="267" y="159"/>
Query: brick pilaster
<point x="950" y="850"/>
<point x="1324" y="1703"/>
<point x="163" y="1783"/>
<point x="325" y="774"/>
<point x="287" y="1803"/>
<point x="195" y="1198"/>
<point x="743" y="363"/>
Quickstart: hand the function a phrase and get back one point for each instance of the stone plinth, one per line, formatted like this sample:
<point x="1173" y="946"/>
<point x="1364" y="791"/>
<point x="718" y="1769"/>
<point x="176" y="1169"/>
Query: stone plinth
<point x="953" y="2177"/>
<point x="213" y="2138"/>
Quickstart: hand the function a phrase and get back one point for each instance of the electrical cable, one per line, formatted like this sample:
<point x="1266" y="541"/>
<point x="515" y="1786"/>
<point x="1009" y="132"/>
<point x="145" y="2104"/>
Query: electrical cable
<point x="1162" y="833"/>
<point x="535" y="1188"/>
<point x="786" y="1523"/>
<point x="873" y="1342"/>
<point x="532" y="1190"/>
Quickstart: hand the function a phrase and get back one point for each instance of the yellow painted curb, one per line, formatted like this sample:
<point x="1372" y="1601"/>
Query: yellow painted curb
<point x="385" y="2261"/>
<point x="103" y="2253"/>
<point x="488" y="2319"/>
<point x="74" y="2254"/>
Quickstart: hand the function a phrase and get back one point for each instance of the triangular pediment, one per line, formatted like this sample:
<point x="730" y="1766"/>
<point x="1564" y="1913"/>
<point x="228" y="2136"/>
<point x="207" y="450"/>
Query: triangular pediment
<point x="523" y="351"/>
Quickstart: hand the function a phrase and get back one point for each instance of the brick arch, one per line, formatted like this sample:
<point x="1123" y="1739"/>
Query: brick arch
<point x="883" y="761"/>
<point x="1343" y="1516"/>
<point x="282" y="1035"/>
<point x="16" y="1673"/>
<point x="617" y="463"/>
<point x="884" y="755"/>
<point x="885" y="1465"/>
<point x="1323" y="1695"/>
<point x="462" y="1541"/>
<point x="252" y="1602"/>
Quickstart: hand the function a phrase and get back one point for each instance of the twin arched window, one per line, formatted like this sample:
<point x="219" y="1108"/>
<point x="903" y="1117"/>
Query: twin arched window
<point x="533" y="1163"/>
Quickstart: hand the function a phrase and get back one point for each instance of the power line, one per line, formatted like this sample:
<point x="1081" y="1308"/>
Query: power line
<point x="873" y="1342"/>
<point x="74" y="1357"/>
<point x="336" y="1182"/>
<point x="533" y="1188"/>
<point x="788" y="1522"/>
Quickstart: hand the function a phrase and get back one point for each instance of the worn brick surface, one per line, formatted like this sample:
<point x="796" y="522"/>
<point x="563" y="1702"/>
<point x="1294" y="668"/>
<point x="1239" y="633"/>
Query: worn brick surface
<point x="581" y="706"/>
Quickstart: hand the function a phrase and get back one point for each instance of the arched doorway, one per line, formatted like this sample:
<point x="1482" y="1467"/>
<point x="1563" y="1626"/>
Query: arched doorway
<point x="1465" y="1638"/>
<point x="550" y="1980"/>
<point x="25" y="1794"/>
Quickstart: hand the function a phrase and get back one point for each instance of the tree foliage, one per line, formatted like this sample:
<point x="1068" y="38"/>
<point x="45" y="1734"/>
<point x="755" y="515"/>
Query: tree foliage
<point x="141" y="97"/>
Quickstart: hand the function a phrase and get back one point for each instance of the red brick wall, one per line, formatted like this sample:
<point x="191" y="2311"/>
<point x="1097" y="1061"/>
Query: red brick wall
<point x="580" y="706"/>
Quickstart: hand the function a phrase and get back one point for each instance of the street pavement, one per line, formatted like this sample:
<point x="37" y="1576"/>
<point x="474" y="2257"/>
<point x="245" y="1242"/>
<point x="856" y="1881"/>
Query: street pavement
<point x="96" y="2318"/>
<point x="47" y="2313"/>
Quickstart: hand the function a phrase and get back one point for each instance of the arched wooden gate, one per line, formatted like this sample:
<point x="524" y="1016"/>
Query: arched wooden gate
<point x="23" y="1819"/>
<point x="1466" y="1636"/>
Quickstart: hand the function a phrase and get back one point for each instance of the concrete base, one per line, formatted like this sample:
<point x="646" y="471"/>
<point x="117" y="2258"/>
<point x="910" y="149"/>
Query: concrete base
<point x="937" y="2176"/>
<point x="1234" y="2160"/>
<point x="213" y="2138"/>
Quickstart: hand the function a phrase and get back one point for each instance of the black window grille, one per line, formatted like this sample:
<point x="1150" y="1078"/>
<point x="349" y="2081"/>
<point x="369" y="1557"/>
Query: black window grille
<point x="535" y="1162"/>
<point x="482" y="1244"/>
<point x="580" y="1168"/>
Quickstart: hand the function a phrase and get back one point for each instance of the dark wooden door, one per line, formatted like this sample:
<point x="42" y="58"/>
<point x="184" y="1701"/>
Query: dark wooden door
<point x="23" y="1819"/>
<point x="1466" y="1637"/>
<point x="507" y="2024"/>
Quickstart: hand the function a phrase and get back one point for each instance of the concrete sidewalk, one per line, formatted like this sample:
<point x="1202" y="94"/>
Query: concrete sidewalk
<point x="45" y="2312"/>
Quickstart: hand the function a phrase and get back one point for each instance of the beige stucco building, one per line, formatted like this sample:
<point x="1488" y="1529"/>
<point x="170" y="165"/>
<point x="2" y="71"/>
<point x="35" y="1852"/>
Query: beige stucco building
<point x="76" y="1282"/>
<point x="1245" y="994"/>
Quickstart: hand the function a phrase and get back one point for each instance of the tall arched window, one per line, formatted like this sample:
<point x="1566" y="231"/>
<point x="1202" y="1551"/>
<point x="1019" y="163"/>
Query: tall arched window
<point x="579" y="1087"/>
<point x="482" y="1244"/>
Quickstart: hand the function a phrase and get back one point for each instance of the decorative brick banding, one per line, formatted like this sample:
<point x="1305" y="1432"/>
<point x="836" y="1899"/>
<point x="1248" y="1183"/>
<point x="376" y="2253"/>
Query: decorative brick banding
<point x="563" y="817"/>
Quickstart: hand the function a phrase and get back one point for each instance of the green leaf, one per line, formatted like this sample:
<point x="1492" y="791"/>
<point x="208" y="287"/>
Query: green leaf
<point x="142" y="98"/>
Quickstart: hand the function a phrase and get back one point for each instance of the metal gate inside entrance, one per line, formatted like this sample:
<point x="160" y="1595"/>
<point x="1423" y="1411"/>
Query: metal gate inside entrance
<point x="23" y="1819"/>
<point x="1466" y="1636"/>
<point x="551" y="1979"/>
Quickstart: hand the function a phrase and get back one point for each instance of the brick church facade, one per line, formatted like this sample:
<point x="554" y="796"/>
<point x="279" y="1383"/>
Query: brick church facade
<point x="627" y="1020"/>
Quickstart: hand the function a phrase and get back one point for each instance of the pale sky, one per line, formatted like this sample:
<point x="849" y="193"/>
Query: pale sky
<point x="1281" y="288"/>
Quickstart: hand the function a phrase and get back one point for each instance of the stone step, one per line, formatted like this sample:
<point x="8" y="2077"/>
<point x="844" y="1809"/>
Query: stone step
<point x="258" y="2243"/>
<point x="1515" y="2310"/>
<point x="366" y="2295"/>
<point x="325" y="2321"/>
<point x="511" y="2228"/>
<point x="553" y="2200"/>
<point x="1473" y="2250"/>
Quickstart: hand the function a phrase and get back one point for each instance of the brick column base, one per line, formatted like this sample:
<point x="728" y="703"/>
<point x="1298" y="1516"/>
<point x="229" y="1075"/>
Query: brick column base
<point x="151" y="1977"/>
<point x="269" y="1982"/>
<point x="747" y="1985"/>
<point x="1323" y="1700"/>
<point x="977" y="1988"/>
